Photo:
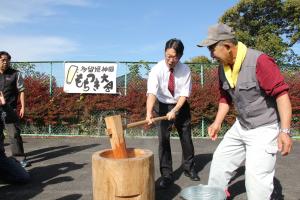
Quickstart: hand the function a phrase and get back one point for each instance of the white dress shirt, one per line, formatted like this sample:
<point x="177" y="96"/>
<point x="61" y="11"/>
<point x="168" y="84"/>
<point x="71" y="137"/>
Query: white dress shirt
<point x="159" y="78"/>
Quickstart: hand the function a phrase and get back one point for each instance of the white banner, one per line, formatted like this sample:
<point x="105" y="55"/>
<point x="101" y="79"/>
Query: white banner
<point x="90" y="78"/>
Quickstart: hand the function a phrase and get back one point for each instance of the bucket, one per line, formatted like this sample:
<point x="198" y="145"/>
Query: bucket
<point x="203" y="192"/>
<point x="130" y="178"/>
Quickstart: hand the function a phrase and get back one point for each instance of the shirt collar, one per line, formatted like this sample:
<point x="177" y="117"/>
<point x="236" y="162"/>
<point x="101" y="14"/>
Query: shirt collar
<point x="167" y="69"/>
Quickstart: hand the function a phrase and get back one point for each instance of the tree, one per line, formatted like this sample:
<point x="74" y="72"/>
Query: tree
<point x="27" y="68"/>
<point x="200" y="59"/>
<point x="271" y="26"/>
<point x="134" y="69"/>
<point x="197" y="61"/>
<point x="37" y="98"/>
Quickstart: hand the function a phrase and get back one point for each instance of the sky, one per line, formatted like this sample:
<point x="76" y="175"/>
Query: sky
<point x="105" y="30"/>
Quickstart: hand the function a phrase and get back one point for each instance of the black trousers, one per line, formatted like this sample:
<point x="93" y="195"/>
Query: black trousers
<point x="182" y="123"/>
<point x="11" y="171"/>
<point x="10" y="121"/>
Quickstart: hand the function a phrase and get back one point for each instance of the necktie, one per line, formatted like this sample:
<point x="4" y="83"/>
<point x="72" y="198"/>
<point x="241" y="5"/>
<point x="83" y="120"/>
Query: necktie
<point x="171" y="85"/>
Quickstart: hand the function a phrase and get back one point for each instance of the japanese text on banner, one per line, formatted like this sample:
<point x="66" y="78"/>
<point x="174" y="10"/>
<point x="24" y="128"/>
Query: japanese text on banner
<point x="90" y="78"/>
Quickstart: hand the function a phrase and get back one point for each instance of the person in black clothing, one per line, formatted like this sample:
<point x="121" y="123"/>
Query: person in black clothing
<point x="169" y="86"/>
<point x="11" y="170"/>
<point x="12" y="86"/>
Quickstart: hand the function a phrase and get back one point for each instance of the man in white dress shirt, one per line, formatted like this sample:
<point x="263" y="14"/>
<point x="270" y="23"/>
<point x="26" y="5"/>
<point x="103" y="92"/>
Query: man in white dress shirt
<point x="168" y="88"/>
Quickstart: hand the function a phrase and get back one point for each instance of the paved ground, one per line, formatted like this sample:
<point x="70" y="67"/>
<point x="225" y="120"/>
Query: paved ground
<point x="61" y="169"/>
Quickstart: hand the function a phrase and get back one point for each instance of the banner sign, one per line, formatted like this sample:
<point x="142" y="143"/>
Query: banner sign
<point x="90" y="78"/>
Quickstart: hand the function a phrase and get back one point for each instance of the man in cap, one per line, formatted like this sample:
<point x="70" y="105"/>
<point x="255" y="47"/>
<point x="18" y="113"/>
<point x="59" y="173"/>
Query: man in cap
<point x="250" y="80"/>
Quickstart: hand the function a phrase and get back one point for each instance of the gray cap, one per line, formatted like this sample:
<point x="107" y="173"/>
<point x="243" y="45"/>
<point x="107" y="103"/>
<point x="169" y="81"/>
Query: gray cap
<point x="217" y="33"/>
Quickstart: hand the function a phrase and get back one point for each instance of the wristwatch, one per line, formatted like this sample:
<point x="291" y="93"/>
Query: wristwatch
<point x="286" y="130"/>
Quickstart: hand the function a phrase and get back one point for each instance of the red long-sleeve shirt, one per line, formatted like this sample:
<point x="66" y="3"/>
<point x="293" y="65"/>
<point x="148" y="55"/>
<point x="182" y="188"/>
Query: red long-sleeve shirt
<point x="269" y="78"/>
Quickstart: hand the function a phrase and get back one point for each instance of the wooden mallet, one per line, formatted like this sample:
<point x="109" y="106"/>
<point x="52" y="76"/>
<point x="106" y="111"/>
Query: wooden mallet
<point x="114" y="129"/>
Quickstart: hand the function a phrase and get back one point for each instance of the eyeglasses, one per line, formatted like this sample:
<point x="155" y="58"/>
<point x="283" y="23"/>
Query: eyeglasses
<point x="174" y="58"/>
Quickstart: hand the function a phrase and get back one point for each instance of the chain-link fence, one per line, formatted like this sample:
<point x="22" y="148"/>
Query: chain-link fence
<point x="50" y="111"/>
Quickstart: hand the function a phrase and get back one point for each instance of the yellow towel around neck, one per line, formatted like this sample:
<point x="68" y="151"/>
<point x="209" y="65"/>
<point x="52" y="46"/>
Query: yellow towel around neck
<point x="232" y="74"/>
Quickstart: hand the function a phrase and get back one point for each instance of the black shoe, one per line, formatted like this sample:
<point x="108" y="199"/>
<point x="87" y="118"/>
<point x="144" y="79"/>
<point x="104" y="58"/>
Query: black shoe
<point x="192" y="175"/>
<point x="165" y="182"/>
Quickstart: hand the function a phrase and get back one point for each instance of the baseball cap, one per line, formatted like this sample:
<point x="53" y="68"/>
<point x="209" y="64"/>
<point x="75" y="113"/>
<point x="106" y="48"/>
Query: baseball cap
<point x="217" y="33"/>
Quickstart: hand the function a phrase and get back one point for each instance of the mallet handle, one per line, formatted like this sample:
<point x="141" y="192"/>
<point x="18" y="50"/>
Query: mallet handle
<point x="134" y="124"/>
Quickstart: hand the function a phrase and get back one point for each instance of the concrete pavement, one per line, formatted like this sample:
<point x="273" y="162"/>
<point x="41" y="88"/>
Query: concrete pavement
<point x="61" y="169"/>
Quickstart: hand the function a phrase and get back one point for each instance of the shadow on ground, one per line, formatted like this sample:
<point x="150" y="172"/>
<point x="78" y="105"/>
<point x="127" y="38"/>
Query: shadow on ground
<point x="43" y="176"/>
<point x="201" y="160"/>
<point x="61" y="169"/>
<point x="238" y="187"/>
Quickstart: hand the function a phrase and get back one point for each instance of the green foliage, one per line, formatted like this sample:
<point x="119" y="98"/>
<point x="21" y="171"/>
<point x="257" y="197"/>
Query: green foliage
<point x="271" y="26"/>
<point x="200" y="59"/>
<point x="28" y="69"/>
<point x="292" y="14"/>
<point x="195" y="63"/>
<point x="134" y="69"/>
